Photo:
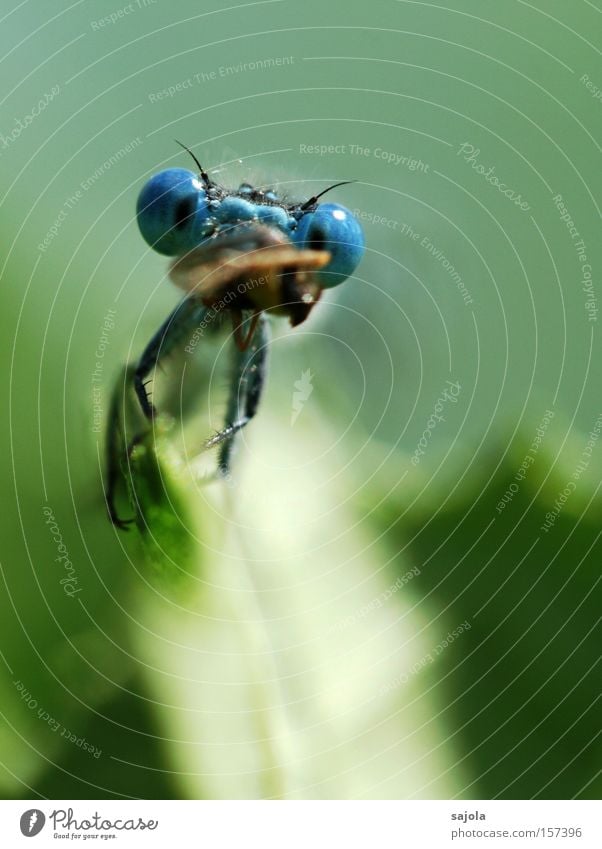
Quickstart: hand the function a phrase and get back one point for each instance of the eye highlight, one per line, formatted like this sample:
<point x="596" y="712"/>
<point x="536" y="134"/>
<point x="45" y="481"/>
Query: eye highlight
<point x="243" y="254"/>
<point x="331" y="227"/>
<point x="172" y="211"/>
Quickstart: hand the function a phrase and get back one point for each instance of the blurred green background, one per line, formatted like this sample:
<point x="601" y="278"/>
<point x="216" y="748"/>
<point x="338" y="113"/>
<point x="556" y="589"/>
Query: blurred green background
<point x="358" y="619"/>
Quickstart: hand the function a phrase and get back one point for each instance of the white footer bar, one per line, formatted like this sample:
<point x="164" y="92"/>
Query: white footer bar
<point x="303" y="824"/>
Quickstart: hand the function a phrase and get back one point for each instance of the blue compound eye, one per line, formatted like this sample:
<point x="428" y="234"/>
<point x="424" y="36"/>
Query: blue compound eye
<point x="332" y="228"/>
<point x="172" y="211"/>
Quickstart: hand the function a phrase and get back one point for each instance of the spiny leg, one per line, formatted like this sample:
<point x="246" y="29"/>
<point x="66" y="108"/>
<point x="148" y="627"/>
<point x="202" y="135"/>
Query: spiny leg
<point x="247" y="390"/>
<point x="243" y="340"/>
<point x="188" y="316"/>
<point x="248" y="378"/>
<point x="181" y="323"/>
